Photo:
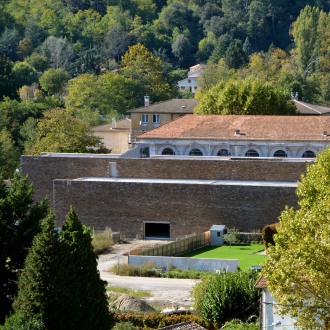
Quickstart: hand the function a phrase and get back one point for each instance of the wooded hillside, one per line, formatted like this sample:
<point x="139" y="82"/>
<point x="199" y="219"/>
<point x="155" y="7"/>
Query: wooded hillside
<point x="98" y="58"/>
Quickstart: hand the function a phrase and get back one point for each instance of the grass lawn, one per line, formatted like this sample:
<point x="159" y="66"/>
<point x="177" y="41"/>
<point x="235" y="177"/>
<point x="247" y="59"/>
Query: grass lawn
<point x="247" y="255"/>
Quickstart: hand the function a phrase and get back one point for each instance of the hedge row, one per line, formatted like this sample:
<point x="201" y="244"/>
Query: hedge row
<point x="156" y="320"/>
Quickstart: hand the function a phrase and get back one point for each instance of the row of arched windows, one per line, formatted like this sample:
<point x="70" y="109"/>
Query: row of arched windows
<point x="249" y="153"/>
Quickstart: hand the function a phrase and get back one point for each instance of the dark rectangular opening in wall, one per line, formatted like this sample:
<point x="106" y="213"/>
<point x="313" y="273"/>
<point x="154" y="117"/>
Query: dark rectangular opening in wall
<point x="157" y="230"/>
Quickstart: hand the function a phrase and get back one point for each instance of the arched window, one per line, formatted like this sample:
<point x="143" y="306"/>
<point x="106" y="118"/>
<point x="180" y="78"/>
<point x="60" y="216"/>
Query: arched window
<point x="309" y="154"/>
<point x="223" y="152"/>
<point x="252" y="153"/>
<point x="280" y="153"/>
<point x="195" y="152"/>
<point x="168" y="151"/>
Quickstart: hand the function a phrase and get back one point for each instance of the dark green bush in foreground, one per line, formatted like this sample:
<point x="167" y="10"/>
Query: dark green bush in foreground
<point x="226" y="296"/>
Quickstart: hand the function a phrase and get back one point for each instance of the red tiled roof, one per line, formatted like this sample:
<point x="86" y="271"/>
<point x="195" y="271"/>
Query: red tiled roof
<point x="261" y="283"/>
<point x="183" y="326"/>
<point x="286" y="128"/>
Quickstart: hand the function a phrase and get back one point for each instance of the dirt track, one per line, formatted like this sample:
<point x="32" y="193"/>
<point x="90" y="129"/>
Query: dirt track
<point x="166" y="292"/>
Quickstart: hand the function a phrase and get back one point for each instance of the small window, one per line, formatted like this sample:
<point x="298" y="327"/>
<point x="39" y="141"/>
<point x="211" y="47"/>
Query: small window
<point x="168" y="151"/>
<point x="195" y="152"/>
<point x="280" y="153"/>
<point x="309" y="154"/>
<point x="252" y="153"/>
<point x="144" y="152"/>
<point x="155" y="119"/>
<point x="223" y="152"/>
<point x="144" y="119"/>
<point x="189" y="81"/>
<point x="218" y="233"/>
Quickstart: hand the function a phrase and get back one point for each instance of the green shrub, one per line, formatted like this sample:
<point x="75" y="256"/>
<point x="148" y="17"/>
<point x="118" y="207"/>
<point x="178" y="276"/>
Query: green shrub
<point x="222" y="297"/>
<point x="125" y="270"/>
<point x="156" y="320"/>
<point x="102" y="241"/>
<point x="124" y="326"/>
<point x="239" y="325"/>
<point x="18" y="322"/>
<point x="231" y="237"/>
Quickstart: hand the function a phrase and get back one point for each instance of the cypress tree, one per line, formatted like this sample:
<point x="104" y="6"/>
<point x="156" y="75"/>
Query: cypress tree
<point x="19" y="222"/>
<point x="41" y="291"/>
<point x="85" y="293"/>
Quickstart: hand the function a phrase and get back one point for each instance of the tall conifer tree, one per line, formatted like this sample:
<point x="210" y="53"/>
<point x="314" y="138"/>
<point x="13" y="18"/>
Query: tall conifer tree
<point x="86" y="294"/>
<point x="19" y="223"/>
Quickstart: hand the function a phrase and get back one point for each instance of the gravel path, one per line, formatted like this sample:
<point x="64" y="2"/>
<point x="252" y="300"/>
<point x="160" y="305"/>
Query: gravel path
<point x="165" y="291"/>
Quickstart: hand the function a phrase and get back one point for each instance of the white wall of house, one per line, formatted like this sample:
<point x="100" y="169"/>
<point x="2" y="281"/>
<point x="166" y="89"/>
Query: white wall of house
<point x="289" y="149"/>
<point x="271" y="320"/>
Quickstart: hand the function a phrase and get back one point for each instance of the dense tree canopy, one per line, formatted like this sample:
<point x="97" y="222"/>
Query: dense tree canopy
<point x="297" y="267"/>
<point x="245" y="97"/>
<point x="59" y="131"/>
<point x="48" y="45"/>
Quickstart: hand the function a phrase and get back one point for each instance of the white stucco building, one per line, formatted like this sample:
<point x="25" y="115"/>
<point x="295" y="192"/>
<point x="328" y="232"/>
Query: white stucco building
<point x="190" y="84"/>
<point x="240" y="136"/>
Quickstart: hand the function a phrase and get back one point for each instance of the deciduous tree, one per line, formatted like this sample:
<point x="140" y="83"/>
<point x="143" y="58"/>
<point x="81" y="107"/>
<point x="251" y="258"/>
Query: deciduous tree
<point x="297" y="267"/>
<point x="59" y="131"/>
<point x="245" y="97"/>
<point x="139" y="64"/>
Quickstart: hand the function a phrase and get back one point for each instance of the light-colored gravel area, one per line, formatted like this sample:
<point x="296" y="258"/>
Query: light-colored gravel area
<point x="165" y="291"/>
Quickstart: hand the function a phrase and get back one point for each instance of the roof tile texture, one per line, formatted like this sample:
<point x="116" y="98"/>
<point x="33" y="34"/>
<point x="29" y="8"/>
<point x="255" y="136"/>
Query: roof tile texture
<point x="292" y="128"/>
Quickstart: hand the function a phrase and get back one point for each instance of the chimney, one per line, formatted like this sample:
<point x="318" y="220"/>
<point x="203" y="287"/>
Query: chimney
<point x="146" y="101"/>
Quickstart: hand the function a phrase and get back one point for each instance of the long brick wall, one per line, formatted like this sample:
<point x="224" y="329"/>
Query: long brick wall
<point x="43" y="170"/>
<point x="212" y="169"/>
<point x="188" y="207"/>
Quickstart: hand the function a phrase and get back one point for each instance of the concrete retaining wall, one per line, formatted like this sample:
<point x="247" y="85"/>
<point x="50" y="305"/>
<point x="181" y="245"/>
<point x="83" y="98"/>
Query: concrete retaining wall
<point x="185" y="263"/>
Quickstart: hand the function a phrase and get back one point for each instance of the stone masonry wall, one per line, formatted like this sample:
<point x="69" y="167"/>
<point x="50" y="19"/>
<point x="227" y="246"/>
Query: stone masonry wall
<point x="42" y="170"/>
<point x="209" y="169"/>
<point x="189" y="208"/>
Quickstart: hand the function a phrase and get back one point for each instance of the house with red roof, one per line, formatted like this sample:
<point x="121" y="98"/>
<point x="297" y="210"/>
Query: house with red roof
<point x="240" y="136"/>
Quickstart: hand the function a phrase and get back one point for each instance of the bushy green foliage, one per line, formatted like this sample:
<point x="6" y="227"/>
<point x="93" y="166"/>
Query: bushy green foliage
<point x="246" y="97"/>
<point x="156" y="320"/>
<point x="297" y="267"/>
<point x="86" y="296"/>
<point x="149" y="270"/>
<point x="239" y="325"/>
<point x="231" y="237"/>
<point x="124" y="326"/>
<point x="19" y="222"/>
<point x="18" y="322"/>
<point x="60" y="283"/>
<point x="41" y="284"/>
<point x="102" y="241"/>
<point x="226" y="296"/>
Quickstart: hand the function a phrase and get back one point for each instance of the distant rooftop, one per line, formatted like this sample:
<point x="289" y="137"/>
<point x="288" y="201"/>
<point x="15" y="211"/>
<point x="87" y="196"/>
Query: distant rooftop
<point x="122" y="124"/>
<point x="311" y="109"/>
<point x="184" y="106"/>
<point x="244" y="127"/>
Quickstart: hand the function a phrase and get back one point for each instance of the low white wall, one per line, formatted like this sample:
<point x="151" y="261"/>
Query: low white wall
<point x="185" y="263"/>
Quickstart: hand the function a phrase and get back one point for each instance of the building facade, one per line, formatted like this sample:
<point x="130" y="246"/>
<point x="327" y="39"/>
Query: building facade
<point x="240" y="136"/>
<point x="154" y="115"/>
